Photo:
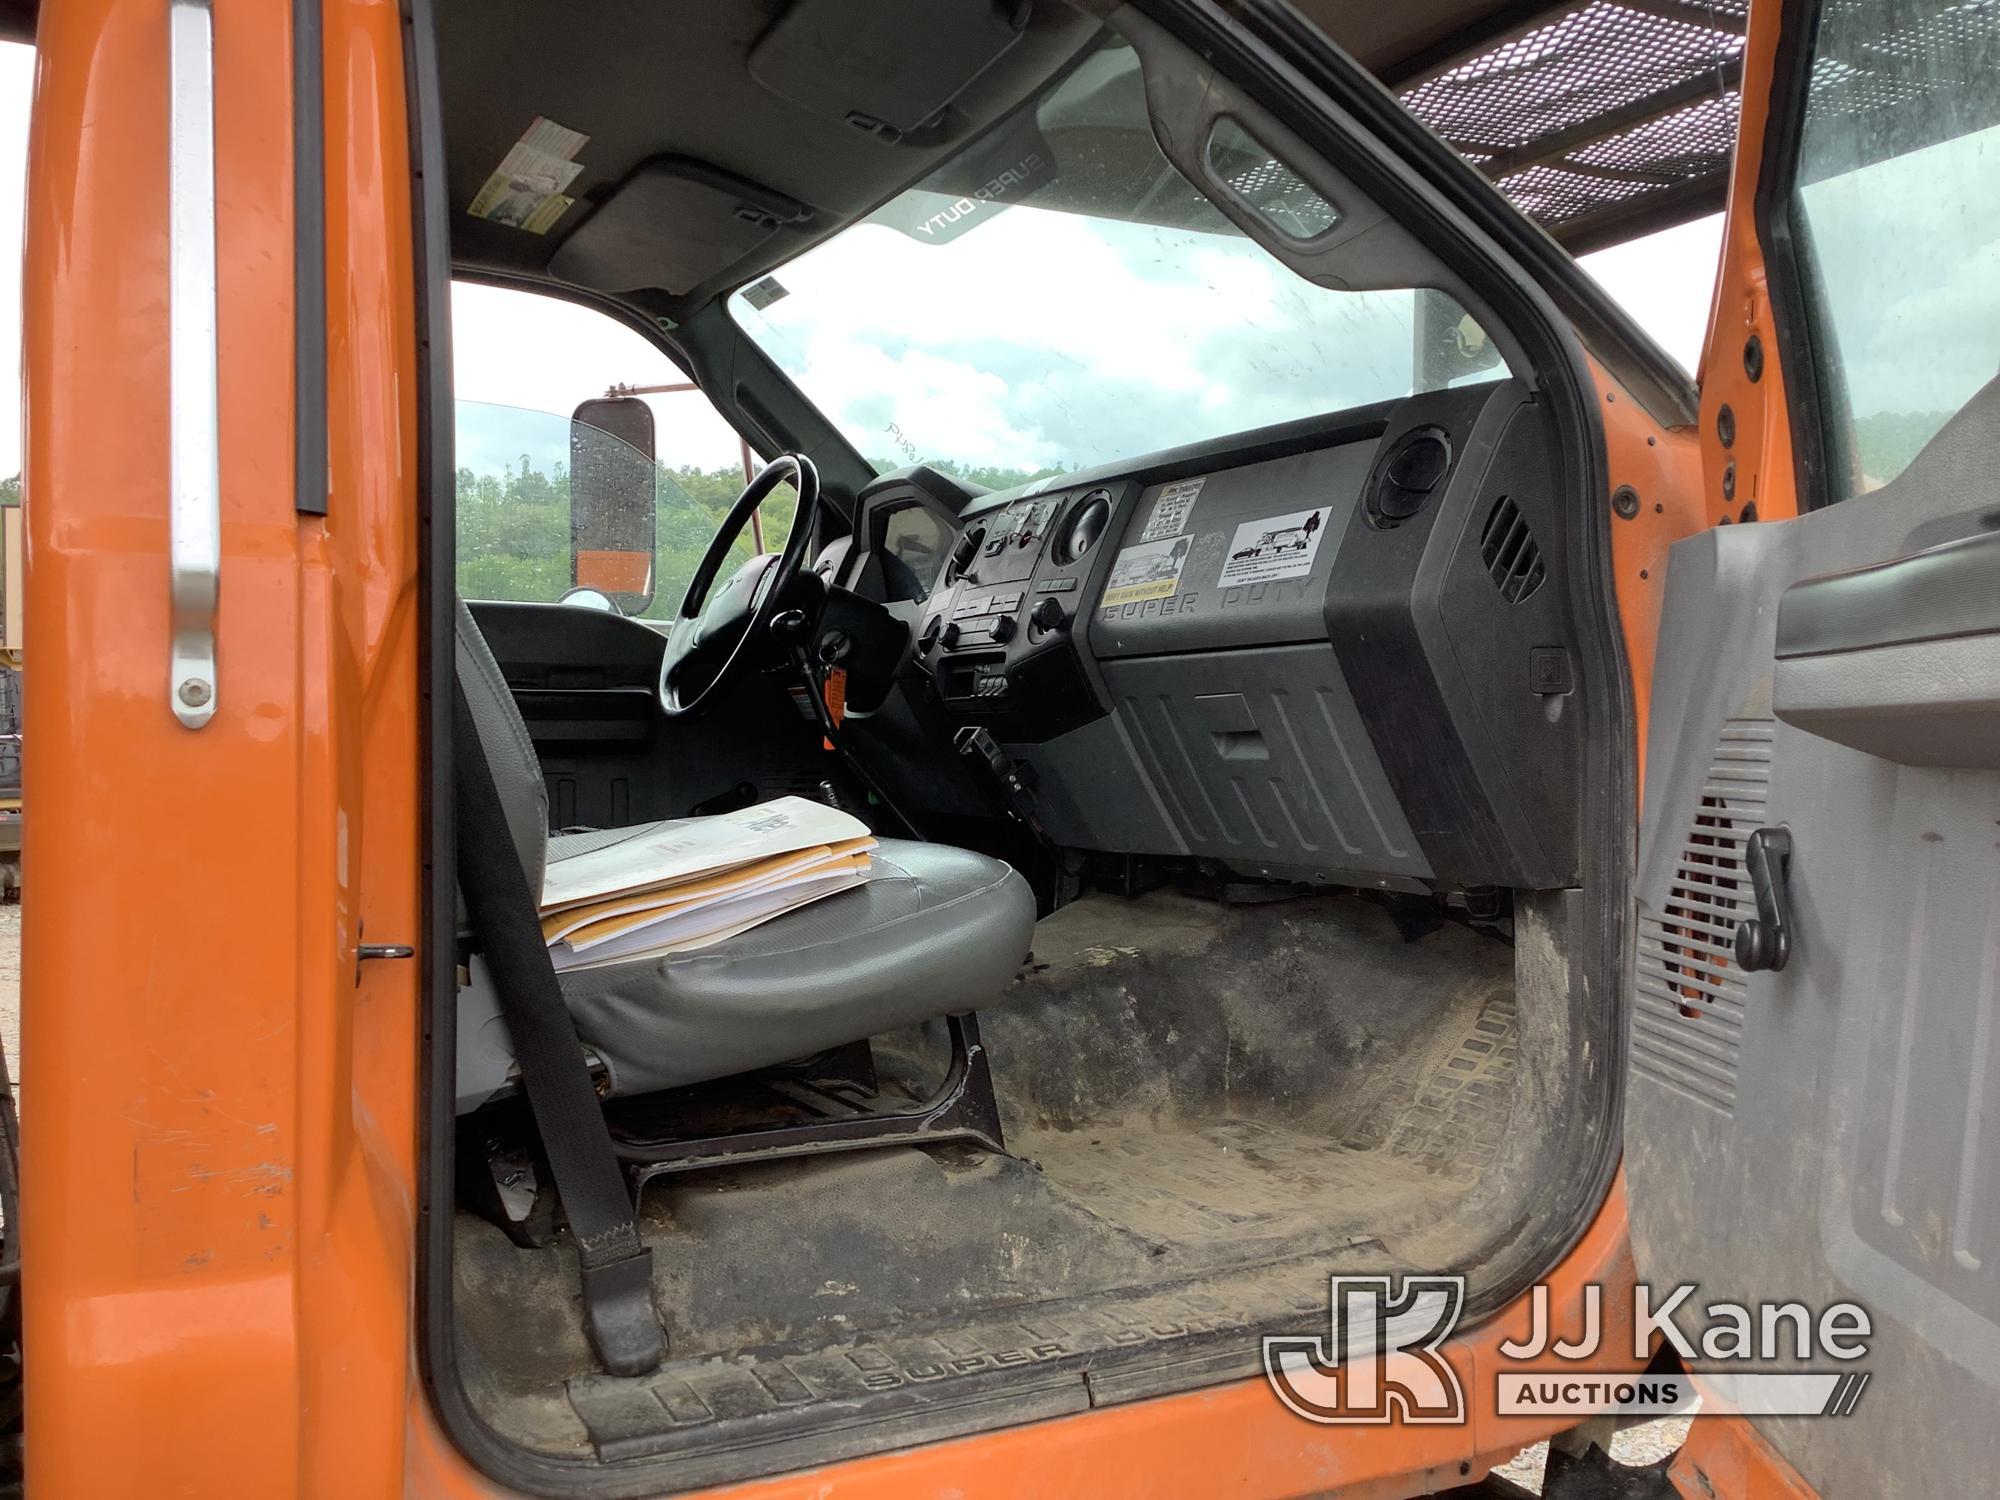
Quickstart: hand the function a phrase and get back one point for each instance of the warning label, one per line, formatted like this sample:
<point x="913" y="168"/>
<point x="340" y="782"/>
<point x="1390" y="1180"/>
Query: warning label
<point x="527" y="190"/>
<point x="1170" y="511"/>
<point x="1151" y="570"/>
<point x="1275" y="547"/>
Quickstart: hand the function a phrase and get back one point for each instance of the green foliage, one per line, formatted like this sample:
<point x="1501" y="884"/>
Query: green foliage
<point x="1886" y="441"/>
<point x="514" y="526"/>
<point x="10" y="491"/>
<point x="513" y="530"/>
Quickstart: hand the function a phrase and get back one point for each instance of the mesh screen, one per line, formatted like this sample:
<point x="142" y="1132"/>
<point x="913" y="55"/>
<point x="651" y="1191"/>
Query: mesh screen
<point x="1594" y="112"/>
<point x="1597" y="116"/>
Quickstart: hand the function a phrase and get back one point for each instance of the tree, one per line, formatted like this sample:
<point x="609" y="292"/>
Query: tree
<point x="10" y="491"/>
<point x="514" y="537"/>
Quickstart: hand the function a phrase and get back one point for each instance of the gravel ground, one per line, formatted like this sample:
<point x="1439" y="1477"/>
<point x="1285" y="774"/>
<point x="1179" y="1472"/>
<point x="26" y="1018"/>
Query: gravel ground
<point x="1647" y="1443"/>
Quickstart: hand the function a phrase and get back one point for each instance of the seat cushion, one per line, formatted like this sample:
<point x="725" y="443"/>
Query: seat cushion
<point x="935" y="930"/>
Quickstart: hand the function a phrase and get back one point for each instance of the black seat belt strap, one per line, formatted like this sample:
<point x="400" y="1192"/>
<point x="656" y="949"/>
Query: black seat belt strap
<point x="616" y="1265"/>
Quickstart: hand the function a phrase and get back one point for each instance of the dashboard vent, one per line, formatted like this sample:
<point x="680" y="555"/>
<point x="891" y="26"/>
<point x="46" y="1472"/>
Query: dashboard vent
<point x="1406" y="475"/>
<point x="1508" y="549"/>
<point x="963" y="554"/>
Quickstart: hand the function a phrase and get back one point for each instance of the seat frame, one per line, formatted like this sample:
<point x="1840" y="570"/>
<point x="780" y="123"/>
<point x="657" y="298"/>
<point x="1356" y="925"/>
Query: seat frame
<point x="503" y="1175"/>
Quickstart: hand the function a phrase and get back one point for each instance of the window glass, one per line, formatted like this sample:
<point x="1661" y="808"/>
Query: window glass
<point x="1666" y="281"/>
<point x="1060" y="296"/>
<point x="17" y="77"/>
<point x="1896" y="208"/>
<point x="521" y="364"/>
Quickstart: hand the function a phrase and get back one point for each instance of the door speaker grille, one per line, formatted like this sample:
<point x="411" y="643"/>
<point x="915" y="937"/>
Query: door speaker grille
<point x="1508" y="549"/>
<point x="1687" y="1022"/>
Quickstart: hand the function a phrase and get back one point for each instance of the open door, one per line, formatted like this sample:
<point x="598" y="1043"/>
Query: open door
<point x="1814" y="1094"/>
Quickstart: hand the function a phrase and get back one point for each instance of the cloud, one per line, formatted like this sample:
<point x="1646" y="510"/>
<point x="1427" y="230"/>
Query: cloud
<point x="1043" y="339"/>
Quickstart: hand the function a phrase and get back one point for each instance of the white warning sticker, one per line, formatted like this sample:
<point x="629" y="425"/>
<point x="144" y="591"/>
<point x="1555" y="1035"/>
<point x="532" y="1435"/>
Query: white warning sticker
<point x="1275" y="547"/>
<point x="1151" y="570"/>
<point x="527" y="190"/>
<point x="1170" y="511"/>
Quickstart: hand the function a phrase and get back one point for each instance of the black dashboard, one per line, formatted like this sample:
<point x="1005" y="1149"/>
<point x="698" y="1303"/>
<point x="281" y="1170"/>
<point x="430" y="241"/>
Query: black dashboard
<point x="1338" y="650"/>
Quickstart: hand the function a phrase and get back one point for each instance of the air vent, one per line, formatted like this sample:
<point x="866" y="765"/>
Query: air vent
<point x="1508" y="549"/>
<point x="963" y="554"/>
<point x="1687" y="1024"/>
<point x="1406" y="475"/>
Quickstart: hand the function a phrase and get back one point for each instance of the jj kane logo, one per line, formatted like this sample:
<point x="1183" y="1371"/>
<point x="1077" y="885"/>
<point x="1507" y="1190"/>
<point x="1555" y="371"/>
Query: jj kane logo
<point x="1383" y="1357"/>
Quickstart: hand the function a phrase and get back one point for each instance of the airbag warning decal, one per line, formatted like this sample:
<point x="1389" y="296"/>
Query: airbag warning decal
<point x="1274" y="547"/>
<point x="1151" y="570"/>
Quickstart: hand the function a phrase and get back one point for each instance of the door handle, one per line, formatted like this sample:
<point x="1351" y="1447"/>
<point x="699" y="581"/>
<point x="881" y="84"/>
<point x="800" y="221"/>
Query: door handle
<point x="194" y="513"/>
<point x="1765" y="940"/>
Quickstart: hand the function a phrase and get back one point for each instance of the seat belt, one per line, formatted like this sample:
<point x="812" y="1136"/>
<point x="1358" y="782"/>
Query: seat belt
<point x="617" y="1267"/>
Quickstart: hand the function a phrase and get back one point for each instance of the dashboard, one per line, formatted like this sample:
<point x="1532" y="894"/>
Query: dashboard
<point x="1338" y="651"/>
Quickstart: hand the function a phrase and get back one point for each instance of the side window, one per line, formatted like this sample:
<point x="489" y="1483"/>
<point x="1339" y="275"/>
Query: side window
<point x="1894" y="206"/>
<point x="17" y="80"/>
<point x="521" y="365"/>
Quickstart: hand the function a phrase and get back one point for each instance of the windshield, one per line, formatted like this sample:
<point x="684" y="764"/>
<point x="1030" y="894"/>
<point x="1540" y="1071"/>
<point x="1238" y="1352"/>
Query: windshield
<point x="1060" y="296"/>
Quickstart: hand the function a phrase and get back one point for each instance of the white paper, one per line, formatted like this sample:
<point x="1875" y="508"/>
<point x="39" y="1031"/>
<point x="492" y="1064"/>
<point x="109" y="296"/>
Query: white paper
<point x="688" y="847"/>
<point x="757" y="876"/>
<point x="705" y="925"/>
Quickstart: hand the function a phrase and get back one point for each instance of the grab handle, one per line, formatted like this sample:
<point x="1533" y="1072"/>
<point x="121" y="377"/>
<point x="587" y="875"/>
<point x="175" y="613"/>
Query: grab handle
<point x="194" y="541"/>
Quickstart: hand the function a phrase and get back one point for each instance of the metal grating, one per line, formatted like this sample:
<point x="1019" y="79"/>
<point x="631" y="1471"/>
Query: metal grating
<point x="1596" y="111"/>
<point x="1603" y="118"/>
<point x="1688" y="1012"/>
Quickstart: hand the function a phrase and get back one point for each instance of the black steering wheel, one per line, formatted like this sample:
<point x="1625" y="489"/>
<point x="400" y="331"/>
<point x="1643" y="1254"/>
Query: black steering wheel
<point x="717" y="638"/>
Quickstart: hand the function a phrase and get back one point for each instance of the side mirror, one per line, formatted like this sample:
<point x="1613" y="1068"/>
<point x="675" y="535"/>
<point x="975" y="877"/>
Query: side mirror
<point x="612" y="515"/>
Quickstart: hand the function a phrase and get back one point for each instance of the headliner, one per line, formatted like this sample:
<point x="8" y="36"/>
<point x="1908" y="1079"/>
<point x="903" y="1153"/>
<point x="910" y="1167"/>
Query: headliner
<point x="1602" y="119"/>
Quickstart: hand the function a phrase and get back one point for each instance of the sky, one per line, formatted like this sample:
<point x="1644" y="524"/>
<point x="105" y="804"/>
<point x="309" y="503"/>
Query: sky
<point x="1131" y="364"/>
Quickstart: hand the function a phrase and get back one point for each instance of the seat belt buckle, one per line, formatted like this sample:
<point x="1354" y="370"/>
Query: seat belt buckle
<point x="618" y="1310"/>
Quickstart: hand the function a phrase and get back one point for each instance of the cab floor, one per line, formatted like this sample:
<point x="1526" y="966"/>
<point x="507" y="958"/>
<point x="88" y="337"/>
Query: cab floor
<point x="1196" y="1137"/>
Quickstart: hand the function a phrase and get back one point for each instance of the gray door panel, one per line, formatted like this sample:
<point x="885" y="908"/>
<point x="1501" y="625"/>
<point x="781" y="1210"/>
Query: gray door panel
<point x="1830" y="1132"/>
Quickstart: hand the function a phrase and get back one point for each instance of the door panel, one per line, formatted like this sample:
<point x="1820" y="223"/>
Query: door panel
<point x="1828" y="1131"/>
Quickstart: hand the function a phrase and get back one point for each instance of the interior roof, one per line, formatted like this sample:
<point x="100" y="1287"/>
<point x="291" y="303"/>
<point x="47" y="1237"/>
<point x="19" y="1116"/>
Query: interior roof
<point x="673" y="79"/>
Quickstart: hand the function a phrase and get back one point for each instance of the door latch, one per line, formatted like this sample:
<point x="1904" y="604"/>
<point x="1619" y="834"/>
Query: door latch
<point x="1765" y="940"/>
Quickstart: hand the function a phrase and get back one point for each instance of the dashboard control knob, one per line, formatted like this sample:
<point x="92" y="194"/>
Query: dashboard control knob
<point x="1003" y="628"/>
<point x="1049" y="614"/>
<point x="948" y="637"/>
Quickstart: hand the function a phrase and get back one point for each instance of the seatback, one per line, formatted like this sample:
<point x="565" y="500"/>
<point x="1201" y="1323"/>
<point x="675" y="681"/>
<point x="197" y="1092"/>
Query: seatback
<point x="517" y="771"/>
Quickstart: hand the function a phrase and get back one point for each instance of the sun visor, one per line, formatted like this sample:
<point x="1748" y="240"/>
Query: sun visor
<point x="883" y="66"/>
<point x="673" y="224"/>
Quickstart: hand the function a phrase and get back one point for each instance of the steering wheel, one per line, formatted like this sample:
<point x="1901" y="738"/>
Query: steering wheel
<point x="728" y="627"/>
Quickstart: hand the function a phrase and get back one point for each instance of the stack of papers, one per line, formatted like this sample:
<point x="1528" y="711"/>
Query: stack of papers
<point x="695" y="881"/>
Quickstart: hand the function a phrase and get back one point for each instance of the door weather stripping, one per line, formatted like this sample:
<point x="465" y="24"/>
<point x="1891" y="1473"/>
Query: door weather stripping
<point x="194" y="542"/>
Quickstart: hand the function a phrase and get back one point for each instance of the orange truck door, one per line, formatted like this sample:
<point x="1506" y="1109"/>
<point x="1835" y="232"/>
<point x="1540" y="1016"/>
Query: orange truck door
<point x="1814" y="1096"/>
